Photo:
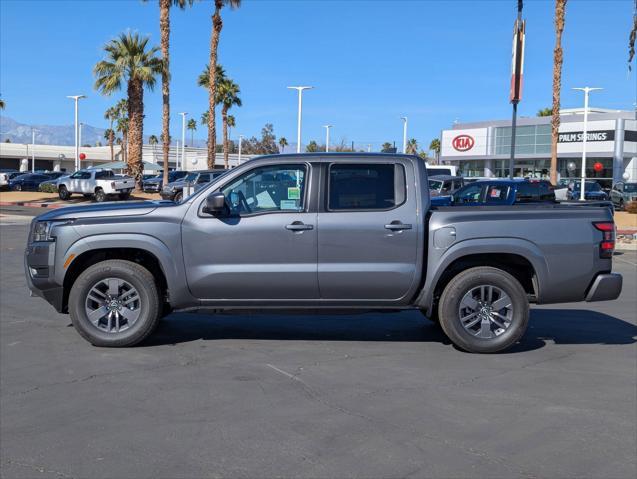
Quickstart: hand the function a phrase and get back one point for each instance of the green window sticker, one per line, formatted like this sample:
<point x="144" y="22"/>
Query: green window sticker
<point x="294" y="193"/>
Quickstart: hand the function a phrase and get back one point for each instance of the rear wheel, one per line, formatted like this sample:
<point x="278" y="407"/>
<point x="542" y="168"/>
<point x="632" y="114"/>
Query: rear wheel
<point x="63" y="193"/>
<point x="115" y="303"/>
<point x="484" y="310"/>
<point x="99" y="195"/>
<point x="178" y="196"/>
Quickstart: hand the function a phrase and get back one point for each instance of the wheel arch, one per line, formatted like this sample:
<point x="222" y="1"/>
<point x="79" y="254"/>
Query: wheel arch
<point x="520" y="258"/>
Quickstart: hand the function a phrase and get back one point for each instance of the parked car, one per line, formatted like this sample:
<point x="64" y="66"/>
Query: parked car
<point x="98" y="183"/>
<point x="175" y="190"/>
<point x="28" y="181"/>
<point x="5" y="176"/>
<point x="156" y="183"/>
<point x="592" y="191"/>
<point x="450" y="170"/>
<point x="623" y="193"/>
<point x="51" y="184"/>
<point x="499" y="191"/>
<point x="443" y="185"/>
<point x="319" y="232"/>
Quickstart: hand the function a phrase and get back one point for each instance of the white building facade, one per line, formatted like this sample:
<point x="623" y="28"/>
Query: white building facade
<point x="483" y="148"/>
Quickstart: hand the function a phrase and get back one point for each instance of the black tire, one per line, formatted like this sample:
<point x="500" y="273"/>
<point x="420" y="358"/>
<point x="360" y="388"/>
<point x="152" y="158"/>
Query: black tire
<point x="178" y="196"/>
<point x="17" y="188"/>
<point x="621" y="206"/>
<point x="462" y="284"/>
<point x="99" y="195"/>
<point x="63" y="193"/>
<point x="150" y="303"/>
<point x="124" y="196"/>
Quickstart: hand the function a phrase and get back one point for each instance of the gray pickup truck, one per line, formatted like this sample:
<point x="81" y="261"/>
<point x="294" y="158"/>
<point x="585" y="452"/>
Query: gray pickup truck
<point x="319" y="232"/>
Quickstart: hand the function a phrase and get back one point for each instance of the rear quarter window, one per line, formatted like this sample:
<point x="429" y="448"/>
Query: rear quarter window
<point x="365" y="186"/>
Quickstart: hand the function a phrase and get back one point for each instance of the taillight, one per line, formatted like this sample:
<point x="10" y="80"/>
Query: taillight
<point x="607" y="246"/>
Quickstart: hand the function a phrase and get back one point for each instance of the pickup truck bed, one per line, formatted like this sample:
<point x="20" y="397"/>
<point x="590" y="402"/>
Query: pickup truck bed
<point x="320" y="232"/>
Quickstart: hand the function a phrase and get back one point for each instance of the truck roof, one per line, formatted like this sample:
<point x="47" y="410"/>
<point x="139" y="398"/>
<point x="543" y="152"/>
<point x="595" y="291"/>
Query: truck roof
<point x="331" y="156"/>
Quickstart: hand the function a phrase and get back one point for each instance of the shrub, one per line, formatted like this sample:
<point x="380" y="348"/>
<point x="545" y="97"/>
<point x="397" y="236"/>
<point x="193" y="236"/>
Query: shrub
<point x="48" y="188"/>
<point x="632" y="207"/>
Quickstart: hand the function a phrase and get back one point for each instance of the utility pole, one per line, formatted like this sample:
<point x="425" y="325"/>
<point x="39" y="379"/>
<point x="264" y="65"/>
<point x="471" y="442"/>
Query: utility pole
<point x="76" y="98"/>
<point x="183" y="137"/>
<point x="327" y="137"/>
<point x="516" y="79"/>
<point x="404" y="119"/>
<point x="586" y="91"/>
<point x="240" y="143"/>
<point x="300" y="112"/>
<point x="32" y="150"/>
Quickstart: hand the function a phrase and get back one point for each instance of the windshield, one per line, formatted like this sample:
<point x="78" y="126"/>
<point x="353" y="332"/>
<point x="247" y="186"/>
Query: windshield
<point x="588" y="187"/>
<point x="435" y="184"/>
<point x="630" y="187"/>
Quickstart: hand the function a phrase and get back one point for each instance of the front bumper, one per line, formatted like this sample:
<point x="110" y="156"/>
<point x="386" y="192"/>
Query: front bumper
<point x="152" y="188"/>
<point x="39" y="269"/>
<point x="605" y="287"/>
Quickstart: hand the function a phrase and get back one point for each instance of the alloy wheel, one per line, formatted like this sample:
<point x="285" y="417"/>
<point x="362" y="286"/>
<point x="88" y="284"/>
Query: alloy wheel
<point x="485" y="311"/>
<point x="113" y="305"/>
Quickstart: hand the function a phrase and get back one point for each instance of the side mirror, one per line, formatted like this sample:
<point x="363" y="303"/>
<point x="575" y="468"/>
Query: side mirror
<point x="215" y="203"/>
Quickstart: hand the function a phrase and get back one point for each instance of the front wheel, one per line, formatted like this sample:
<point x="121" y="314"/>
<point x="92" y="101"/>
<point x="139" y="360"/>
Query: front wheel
<point x="115" y="303"/>
<point x="99" y="195"/>
<point x="17" y="188"/>
<point x="64" y="193"/>
<point x="178" y="196"/>
<point x="484" y="310"/>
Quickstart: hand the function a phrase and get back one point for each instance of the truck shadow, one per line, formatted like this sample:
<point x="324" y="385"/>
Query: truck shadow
<point x="560" y="326"/>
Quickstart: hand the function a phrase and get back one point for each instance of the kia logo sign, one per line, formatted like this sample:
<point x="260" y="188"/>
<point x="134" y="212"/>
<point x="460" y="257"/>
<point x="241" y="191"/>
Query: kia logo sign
<point x="462" y="143"/>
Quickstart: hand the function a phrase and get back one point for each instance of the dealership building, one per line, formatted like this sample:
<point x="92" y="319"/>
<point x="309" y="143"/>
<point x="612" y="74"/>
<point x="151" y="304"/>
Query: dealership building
<point x="483" y="148"/>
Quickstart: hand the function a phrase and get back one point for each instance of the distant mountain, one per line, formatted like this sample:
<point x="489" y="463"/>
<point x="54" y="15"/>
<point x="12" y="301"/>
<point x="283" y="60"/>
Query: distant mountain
<point x="48" y="134"/>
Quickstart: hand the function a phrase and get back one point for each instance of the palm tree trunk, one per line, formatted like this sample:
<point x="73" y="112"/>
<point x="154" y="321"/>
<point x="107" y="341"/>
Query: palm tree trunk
<point x="217" y="24"/>
<point x="111" y="140"/>
<point x="224" y="116"/>
<point x="164" y="27"/>
<point x="135" y="129"/>
<point x="560" y="10"/>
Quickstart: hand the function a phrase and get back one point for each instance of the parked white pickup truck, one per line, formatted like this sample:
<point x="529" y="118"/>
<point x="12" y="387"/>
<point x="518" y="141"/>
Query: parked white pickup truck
<point x="97" y="183"/>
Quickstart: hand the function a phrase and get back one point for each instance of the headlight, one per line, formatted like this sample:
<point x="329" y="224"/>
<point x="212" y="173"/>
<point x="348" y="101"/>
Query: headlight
<point x="41" y="230"/>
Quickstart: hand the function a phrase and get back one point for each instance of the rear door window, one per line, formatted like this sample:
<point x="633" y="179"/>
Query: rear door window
<point x="497" y="194"/>
<point x="365" y="186"/>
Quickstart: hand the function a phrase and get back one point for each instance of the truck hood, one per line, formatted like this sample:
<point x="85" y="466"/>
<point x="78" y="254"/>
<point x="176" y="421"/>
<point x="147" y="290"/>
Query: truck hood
<point x="108" y="209"/>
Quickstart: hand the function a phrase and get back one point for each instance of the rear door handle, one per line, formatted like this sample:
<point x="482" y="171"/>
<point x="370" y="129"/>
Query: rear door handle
<point x="397" y="226"/>
<point x="299" y="226"/>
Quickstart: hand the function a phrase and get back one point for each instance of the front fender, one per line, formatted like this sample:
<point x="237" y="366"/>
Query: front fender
<point x="439" y="260"/>
<point x="169" y="262"/>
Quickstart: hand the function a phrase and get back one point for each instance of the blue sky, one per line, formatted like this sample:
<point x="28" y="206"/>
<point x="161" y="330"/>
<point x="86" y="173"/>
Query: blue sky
<point x="371" y="62"/>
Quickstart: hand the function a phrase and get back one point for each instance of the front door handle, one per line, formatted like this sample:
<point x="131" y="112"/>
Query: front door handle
<point x="397" y="226"/>
<point x="298" y="226"/>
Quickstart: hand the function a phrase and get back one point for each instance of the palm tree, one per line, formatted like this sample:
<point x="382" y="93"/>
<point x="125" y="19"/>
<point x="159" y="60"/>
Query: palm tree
<point x="130" y="59"/>
<point x="111" y="115"/>
<point x="153" y="140"/>
<point x="192" y="126"/>
<point x="217" y="24"/>
<point x="545" y="112"/>
<point x="204" y="118"/>
<point x="412" y="147"/>
<point x="203" y="80"/>
<point x="385" y="147"/>
<point x="164" y="32"/>
<point x="560" y="12"/>
<point x="228" y="96"/>
<point x="120" y="112"/>
<point x="434" y="146"/>
<point x="1" y="104"/>
<point x="631" y="39"/>
<point x="232" y="122"/>
<point x="283" y="142"/>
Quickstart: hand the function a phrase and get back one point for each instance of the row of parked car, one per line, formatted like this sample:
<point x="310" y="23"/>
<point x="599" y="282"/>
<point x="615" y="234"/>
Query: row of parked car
<point x="447" y="190"/>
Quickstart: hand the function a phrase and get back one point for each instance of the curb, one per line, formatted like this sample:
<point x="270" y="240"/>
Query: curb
<point x="33" y="205"/>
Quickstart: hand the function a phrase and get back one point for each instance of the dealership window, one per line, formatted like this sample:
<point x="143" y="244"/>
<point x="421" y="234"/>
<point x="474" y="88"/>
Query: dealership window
<point x="471" y="168"/>
<point x="529" y="139"/>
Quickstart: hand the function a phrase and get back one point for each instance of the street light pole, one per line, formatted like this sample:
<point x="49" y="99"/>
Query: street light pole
<point x="32" y="150"/>
<point x="183" y="137"/>
<point x="586" y="91"/>
<point x="327" y="137"/>
<point x="404" y="119"/>
<point x="240" y="143"/>
<point x="76" y="98"/>
<point x="80" y="135"/>
<point x="298" y="127"/>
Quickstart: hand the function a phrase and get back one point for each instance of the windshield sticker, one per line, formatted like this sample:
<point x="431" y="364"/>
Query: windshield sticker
<point x="289" y="205"/>
<point x="294" y="193"/>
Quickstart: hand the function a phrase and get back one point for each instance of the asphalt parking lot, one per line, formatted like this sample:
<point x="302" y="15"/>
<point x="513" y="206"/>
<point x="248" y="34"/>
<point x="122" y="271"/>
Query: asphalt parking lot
<point x="378" y="395"/>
